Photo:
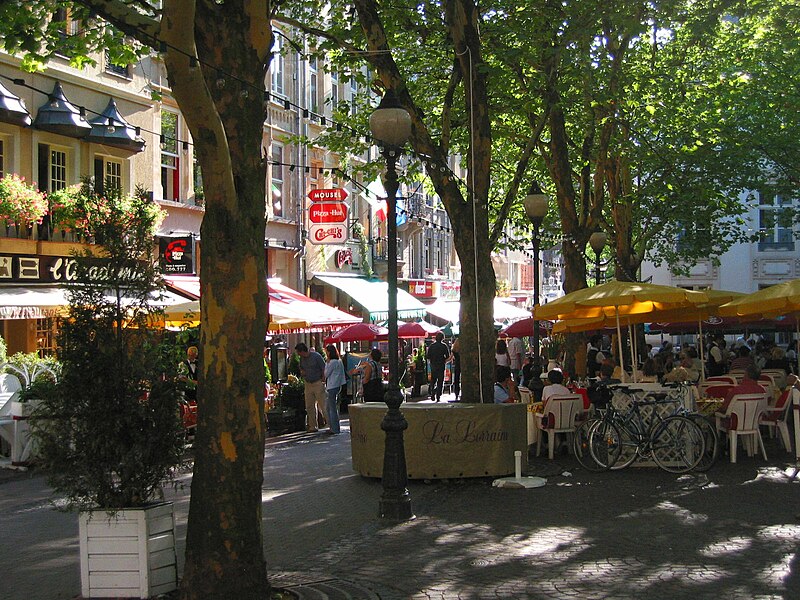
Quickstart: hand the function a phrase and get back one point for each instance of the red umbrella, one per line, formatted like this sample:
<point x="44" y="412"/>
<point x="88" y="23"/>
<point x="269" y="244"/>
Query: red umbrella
<point x="358" y="332"/>
<point x="524" y="328"/>
<point x="421" y="329"/>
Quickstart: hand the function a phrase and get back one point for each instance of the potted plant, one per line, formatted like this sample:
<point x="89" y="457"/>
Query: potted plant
<point x="64" y="212"/>
<point x="36" y="375"/>
<point x="553" y="349"/>
<point x="289" y="413"/>
<point x="110" y="433"/>
<point x="21" y="204"/>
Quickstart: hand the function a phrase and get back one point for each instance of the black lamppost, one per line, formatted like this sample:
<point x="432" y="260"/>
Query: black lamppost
<point x="536" y="203"/>
<point x="597" y="241"/>
<point x="391" y="127"/>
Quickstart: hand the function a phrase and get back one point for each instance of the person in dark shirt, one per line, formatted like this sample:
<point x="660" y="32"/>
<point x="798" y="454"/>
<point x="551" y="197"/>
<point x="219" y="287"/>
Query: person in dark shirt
<point x="599" y="392"/>
<point x="437" y="355"/>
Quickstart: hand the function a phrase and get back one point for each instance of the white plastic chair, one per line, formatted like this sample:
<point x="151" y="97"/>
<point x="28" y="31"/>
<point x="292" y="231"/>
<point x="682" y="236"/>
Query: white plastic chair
<point x="742" y="419"/>
<point x="776" y="417"/>
<point x="561" y="413"/>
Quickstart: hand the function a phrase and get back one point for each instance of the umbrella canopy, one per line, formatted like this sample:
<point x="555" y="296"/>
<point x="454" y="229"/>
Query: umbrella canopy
<point x="524" y="328"/>
<point x="590" y="307"/>
<point x="621" y="298"/>
<point x="359" y="332"/>
<point x="418" y="329"/>
<point x="188" y="314"/>
<point x="776" y="300"/>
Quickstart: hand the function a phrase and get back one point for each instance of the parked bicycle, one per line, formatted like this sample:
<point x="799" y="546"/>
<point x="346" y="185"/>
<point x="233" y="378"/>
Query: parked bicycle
<point x="675" y="442"/>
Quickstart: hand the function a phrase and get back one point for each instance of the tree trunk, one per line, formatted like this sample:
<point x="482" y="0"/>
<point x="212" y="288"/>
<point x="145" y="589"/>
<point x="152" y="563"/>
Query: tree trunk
<point x="224" y="545"/>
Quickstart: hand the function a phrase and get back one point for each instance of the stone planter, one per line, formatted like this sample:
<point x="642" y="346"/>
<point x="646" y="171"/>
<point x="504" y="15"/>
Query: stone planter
<point x="23" y="410"/>
<point x="129" y="553"/>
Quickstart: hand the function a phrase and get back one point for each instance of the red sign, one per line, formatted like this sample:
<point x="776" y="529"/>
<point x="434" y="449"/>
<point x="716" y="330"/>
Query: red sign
<point x="420" y="288"/>
<point x="344" y="257"/>
<point x="327" y="212"/>
<point x="328" y="195"/>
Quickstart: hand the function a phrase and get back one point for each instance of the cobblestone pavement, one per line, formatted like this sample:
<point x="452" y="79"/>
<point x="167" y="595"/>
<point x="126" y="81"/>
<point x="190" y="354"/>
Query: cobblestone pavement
<point x="641" y="533"/>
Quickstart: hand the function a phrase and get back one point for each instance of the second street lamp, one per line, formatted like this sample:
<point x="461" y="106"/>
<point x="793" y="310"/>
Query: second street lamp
<point x="390" y="125"/>
<point x="536" y="203"/>
<point x="597" y="241"/>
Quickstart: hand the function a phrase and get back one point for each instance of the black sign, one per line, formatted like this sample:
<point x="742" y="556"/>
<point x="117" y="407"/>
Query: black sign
<point x="175" y="255"/>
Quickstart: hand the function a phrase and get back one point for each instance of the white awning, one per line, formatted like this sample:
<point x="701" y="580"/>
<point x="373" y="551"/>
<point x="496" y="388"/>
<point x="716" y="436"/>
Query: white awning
<point x="32" y="303"/>
<point x="448" y="310"/>
<point x="374" y="297"/>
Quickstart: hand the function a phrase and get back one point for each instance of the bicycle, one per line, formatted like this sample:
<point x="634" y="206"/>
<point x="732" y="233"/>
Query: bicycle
<point x="675" y="442"/>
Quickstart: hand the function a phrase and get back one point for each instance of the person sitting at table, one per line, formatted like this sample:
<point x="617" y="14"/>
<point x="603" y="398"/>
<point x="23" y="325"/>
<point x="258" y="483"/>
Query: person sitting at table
<point x="749" y="385"/>
<point x="777" y="360"/>
<point x="649" y="372"/>
<point x="599" y="392"/>
<point x="505" y="390"/>
<point x="556" y="386"/>
<point x="682" y="373"/>
<point x="742" y="360"/>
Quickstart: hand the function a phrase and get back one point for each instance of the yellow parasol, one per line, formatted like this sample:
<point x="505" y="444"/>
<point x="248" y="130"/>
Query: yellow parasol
<point x="188" y="314"/>
<point x="632" y="300"/>
<point x="782" y="299"/>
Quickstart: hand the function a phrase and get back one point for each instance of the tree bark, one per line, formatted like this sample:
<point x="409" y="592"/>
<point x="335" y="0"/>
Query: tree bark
<point x="224" y="110"/>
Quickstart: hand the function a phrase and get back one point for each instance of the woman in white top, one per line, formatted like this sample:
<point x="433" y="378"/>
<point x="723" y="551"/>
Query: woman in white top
<point x="334" y="380"/>
<point x="502" y="358"/>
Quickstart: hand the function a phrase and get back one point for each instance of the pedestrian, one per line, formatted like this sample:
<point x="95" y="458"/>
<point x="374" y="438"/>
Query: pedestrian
<point x="334" y="380"/>
<point x="455" y="356"/>
<point x="516" y="351"/>
<point x="312" y="369"/>
<point x="437" y="355"/>
<point x="371" y="376"/>
<point x="501" y="356"/>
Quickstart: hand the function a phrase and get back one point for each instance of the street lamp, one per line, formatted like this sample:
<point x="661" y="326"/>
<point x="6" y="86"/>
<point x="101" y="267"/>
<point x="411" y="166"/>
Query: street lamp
<point x="536" y="203"/>
<point x="390" y="125"/>
<point x="597" y="241"/>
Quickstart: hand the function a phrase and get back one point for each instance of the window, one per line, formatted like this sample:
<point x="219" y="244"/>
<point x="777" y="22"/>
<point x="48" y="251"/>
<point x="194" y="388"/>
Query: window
<point x="334" y="89"/>
<point x="313" y="87"/>
<point x="775" y="222"/>
<point x="170" y="161"/>
<point x="107" y="174"/>
<point x="276" y="66"/>
<point x="353" y="93"/>
<point x="197" y="179"/>
<point x="277" y="180"/>
<point x="52" y="173"/>
<point x="119" y="70"/>
<point x="46" y="337"/>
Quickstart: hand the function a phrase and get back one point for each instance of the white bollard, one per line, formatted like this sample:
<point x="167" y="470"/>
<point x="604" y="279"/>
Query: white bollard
<point x="518" y="464"/>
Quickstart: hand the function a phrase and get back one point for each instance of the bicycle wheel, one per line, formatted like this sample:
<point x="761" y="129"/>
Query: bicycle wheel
<point x="628" y="446"/>
<point x="605" y="444"/>
<point x="581" y="449"/>
<point x="677" y="444"/>
<point x="712" y="442"/>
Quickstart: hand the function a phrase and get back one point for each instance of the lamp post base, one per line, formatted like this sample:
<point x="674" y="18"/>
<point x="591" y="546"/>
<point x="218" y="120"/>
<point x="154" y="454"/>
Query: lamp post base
<point x="395" y="501"/>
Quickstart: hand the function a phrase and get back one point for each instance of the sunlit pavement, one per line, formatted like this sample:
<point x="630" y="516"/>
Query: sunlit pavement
<point x="637" y="534"/>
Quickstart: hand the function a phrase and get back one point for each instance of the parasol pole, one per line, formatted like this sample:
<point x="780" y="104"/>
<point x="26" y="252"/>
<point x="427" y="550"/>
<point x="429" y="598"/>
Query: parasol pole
<point x="796" y="402"/>
<point x="619" y="345"/>
<point x="702" y="353"/>
<point x="633" y="349"/>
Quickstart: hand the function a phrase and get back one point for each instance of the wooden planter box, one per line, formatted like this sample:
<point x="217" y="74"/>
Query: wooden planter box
<point x="128" y="554"/>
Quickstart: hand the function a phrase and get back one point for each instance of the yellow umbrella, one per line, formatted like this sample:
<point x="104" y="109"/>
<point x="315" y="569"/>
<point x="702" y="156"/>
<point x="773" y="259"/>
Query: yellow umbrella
<point x="188" y="313"/>
<point x="619" y="298"/>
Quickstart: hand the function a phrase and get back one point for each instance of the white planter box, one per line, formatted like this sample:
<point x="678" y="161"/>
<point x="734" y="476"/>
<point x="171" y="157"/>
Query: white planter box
<point x="23" y="409"/>
<point x="129" y="554"/>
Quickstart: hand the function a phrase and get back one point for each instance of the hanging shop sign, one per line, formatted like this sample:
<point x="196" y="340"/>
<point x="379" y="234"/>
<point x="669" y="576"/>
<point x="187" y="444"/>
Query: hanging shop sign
<point x="328" y="233"/>
<point x="175" y="255"/>
<point x="327" y="212"/>
<point x="328" y="195"/>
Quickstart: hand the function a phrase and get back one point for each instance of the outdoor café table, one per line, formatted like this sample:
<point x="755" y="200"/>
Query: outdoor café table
<point x="443" y="440"/>
<point x="534" y="408"/>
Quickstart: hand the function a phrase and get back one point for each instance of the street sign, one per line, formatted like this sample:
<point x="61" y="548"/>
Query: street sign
<point x="327" y="212"/>
<point x="328" y="195"/>
<point x="327" y="233"/>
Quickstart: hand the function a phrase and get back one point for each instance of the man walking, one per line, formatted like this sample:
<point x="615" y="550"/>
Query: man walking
<point x="516" y="350"/>
<point x="312" y="368"/>
<point x="438" y="353"/>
